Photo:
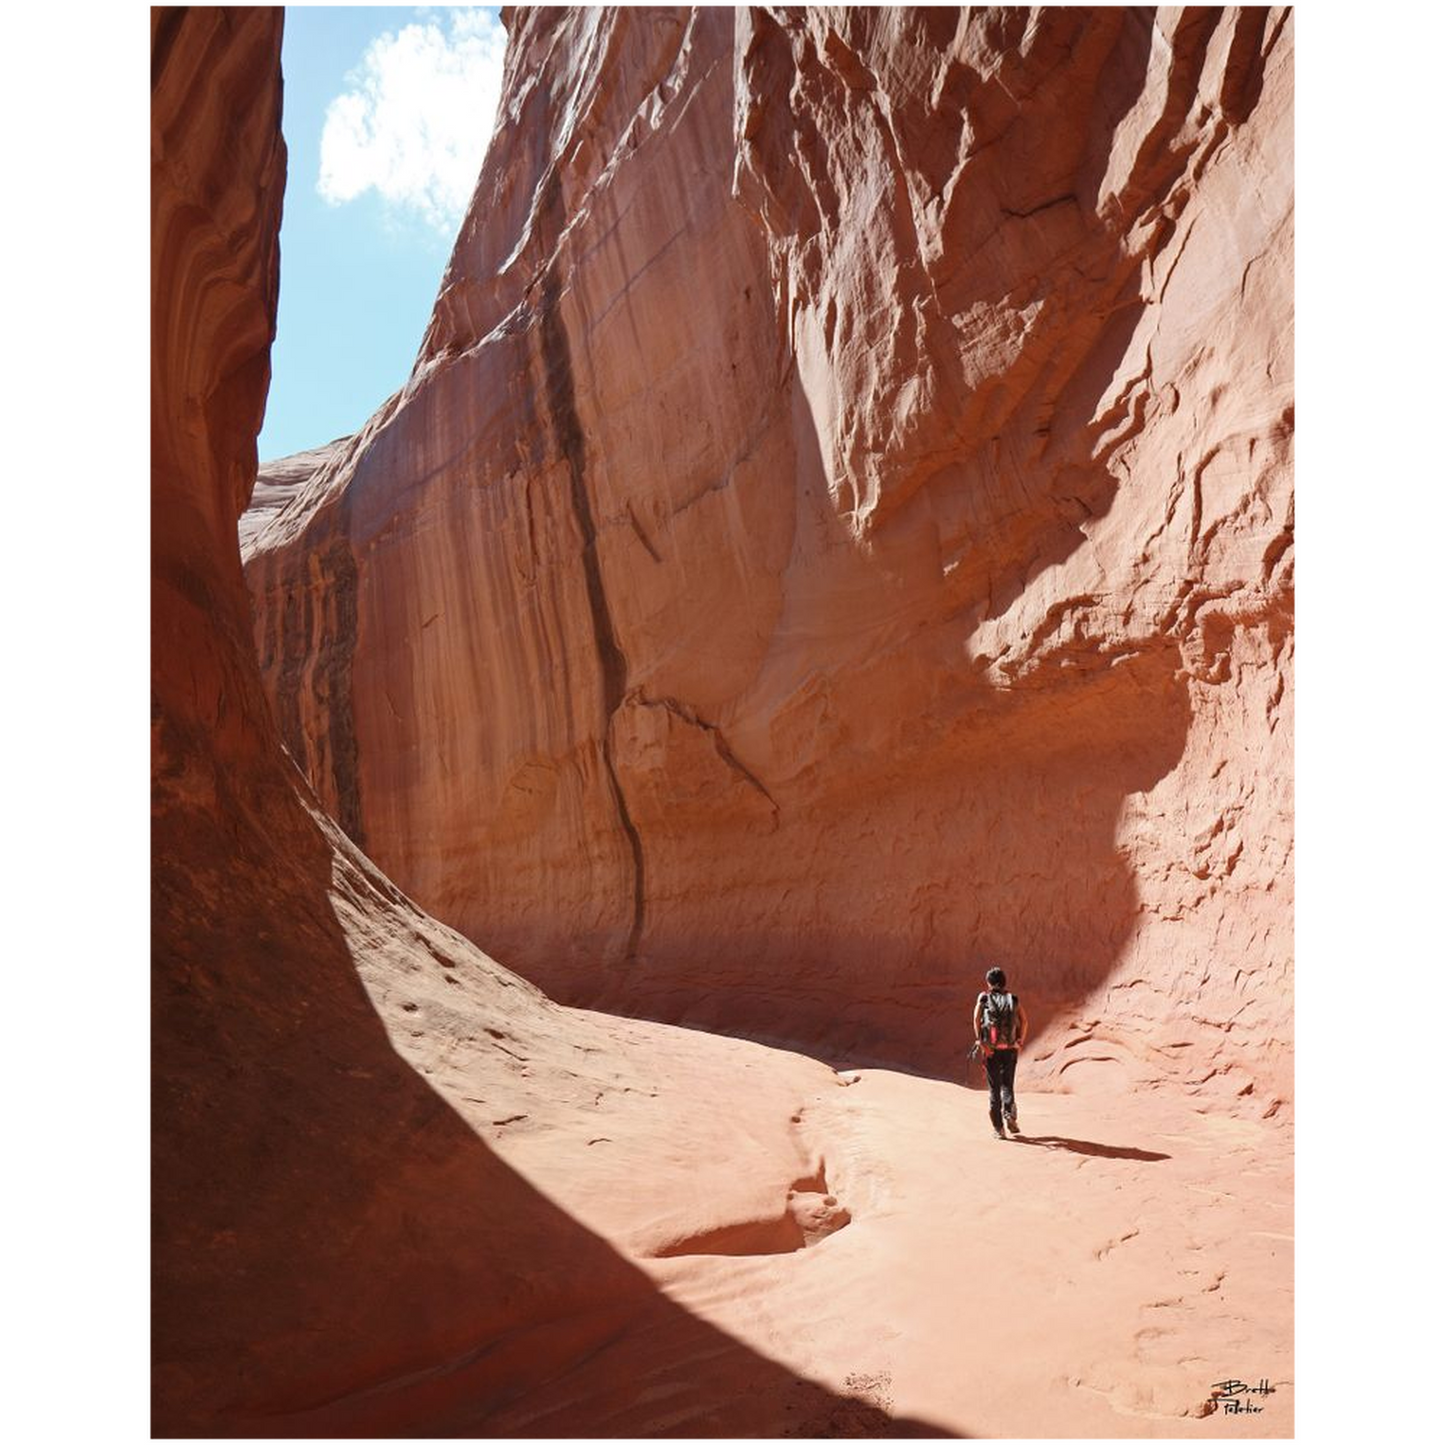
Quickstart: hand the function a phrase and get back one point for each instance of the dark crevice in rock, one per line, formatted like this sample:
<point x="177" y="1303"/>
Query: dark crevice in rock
<point x="561" y="406"/>
<point x="335" y="654"/>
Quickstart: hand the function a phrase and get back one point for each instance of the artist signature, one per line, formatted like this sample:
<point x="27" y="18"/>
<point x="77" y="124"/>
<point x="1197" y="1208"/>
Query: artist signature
<point x="1234" y="1396"/>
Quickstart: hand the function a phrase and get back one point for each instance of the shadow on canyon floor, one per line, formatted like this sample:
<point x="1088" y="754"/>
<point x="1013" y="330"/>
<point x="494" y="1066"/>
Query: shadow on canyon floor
<point x="1092" y="1150"/>
<point x="335" y="1251"/>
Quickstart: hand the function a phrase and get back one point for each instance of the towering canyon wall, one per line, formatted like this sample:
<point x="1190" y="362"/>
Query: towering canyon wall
<point x="838" y="536"/>
<point x="338" y="1246"/>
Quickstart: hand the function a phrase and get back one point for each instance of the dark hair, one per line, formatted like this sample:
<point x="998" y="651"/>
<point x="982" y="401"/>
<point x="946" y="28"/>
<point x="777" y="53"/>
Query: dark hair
<point x="994" y="978"/>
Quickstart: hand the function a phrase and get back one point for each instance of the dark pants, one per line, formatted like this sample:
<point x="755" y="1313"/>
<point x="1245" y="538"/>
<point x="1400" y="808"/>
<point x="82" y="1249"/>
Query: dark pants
<point x="1001" y="1065"/>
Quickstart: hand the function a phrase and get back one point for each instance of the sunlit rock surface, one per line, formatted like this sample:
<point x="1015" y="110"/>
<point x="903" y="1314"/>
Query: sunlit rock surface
<point x="838" y="536"/>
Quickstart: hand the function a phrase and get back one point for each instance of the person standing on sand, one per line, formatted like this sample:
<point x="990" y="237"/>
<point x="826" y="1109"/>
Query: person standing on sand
<point x="1000" y="1025"/>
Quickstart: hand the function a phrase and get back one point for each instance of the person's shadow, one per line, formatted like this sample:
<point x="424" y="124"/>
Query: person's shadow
<point x="1085" y="1146"/>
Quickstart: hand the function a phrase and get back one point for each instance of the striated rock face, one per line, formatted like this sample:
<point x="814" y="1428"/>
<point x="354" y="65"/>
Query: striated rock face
<point x="338" y="1245"/>
<point x="838" y="536"/>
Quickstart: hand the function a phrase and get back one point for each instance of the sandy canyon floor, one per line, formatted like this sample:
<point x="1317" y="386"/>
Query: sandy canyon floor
<point x="864" y="1230"/>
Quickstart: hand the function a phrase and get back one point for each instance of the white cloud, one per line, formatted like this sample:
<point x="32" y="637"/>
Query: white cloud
<point x="417" y="115"/>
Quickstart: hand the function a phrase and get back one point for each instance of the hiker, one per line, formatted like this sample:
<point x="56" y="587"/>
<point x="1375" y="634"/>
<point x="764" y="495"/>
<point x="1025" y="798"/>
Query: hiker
<point x="999" y="1026"/>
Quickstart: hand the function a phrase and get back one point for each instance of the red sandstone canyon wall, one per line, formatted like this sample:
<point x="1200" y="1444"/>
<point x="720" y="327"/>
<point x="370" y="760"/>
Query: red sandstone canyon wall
<point x="837" y="535"/>
<point x="338" y="1247"/>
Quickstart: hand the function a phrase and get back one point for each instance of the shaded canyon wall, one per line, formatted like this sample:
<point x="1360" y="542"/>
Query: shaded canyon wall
<point x="314" y="1203"/>
<point x="837" y="536"/>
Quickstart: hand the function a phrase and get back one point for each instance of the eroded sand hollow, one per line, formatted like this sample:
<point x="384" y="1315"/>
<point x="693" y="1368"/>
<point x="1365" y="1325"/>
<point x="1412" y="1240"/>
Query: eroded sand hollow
<point x="400" y="1191"/>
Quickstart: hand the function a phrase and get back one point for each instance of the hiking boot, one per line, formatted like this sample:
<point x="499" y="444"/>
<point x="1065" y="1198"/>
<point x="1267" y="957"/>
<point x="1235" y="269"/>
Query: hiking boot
<point x="1013" y="1123"/>
<point x="999" y="1134"/>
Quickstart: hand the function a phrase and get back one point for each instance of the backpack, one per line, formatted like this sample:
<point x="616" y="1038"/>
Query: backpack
<point x="1000" y="1024"/>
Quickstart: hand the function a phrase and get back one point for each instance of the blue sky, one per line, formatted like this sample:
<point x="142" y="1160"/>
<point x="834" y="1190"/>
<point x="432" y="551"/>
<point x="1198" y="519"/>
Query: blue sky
<point x="386" y="115"/>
